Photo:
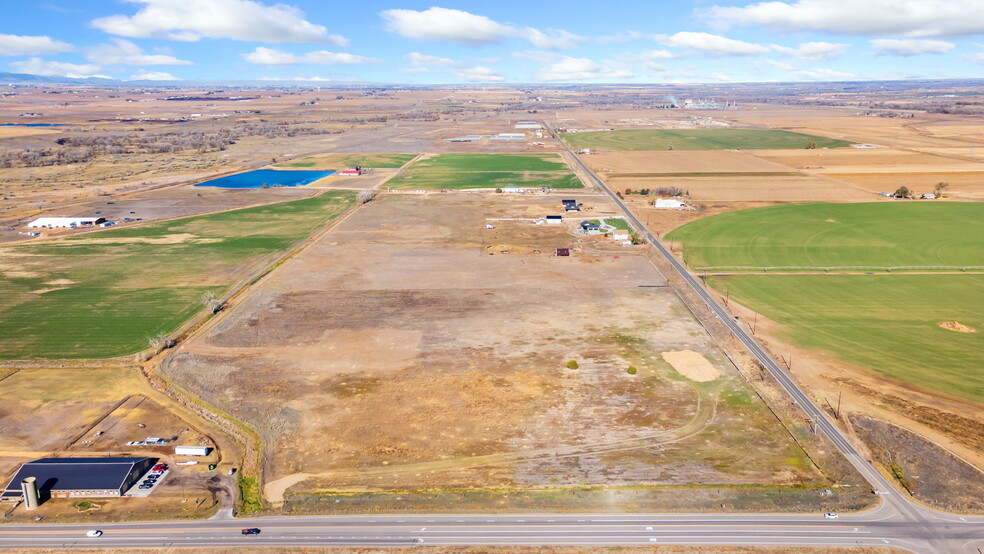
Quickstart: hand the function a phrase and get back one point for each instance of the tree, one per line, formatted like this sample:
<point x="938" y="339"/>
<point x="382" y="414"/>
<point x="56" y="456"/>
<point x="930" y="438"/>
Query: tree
<point x="632" y="370"/>
<point x="366" y="196"/>
<point x="160" y="341"/>
<point x="628" y="191"/>
<point x="572" y="364"/>
<point x="635" y="237"/>
<point x="902" y="192"/>
<point x="941" y="188"/>
<point x="210" y="301"/>
<point x="811" y="145"/>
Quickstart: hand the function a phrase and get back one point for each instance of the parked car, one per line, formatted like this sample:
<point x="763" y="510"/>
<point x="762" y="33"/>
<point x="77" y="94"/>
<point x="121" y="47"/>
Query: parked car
<point x="251" y="531"/>
<point x="94" y="533"/>
<point x="145" y="486"/>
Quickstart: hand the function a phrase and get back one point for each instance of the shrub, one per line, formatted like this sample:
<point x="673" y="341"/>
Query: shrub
<point x="572" y="364"/>
<point x="632" y="370"/>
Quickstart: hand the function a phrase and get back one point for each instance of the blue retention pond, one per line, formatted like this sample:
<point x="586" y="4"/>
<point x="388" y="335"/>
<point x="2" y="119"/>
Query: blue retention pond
<point x="264" y="178"/>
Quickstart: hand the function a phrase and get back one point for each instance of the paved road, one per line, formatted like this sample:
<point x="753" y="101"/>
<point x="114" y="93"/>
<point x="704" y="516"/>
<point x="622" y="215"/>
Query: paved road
<point x="897" y="522"/>
<point x="949" y="534"/>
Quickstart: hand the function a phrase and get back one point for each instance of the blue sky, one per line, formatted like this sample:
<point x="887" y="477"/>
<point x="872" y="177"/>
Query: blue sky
<point x="508" y="41"/>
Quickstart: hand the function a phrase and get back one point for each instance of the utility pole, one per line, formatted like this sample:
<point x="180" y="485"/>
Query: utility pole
<point x="840" y="393"/>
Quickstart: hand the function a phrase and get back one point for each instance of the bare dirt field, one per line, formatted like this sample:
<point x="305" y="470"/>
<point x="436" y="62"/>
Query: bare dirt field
<point x="736" y="188"/>
<point x="396" y="353"/>
<point x="683" y="161"/>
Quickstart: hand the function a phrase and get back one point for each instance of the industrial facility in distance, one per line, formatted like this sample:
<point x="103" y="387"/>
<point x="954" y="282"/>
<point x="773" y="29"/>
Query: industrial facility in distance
<point x="74" y="477"/>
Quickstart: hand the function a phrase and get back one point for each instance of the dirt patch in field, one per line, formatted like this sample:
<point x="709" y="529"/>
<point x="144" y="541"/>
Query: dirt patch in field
<point x="929" y="473"/>
<point x="956" y="326"/>
<point x="691" y="365"/>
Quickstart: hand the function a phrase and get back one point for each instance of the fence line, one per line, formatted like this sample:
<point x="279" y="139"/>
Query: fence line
<point x="828" y="269"/>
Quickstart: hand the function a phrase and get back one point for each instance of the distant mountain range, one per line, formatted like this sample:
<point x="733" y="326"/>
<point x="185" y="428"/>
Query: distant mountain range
<point x="29" y="79"/>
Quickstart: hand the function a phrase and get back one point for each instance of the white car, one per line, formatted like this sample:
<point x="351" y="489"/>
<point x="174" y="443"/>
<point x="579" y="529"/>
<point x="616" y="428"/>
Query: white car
<point x="830" y="515"/>
<point x="94" y="533"/>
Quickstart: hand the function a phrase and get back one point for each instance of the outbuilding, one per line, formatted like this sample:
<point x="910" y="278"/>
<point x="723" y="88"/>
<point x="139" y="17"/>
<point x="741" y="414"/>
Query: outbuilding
<point x="668" y="203"/>
<point x="78" y="477"/>
<point x="554" y="219"/>
<point x="64" y="222"/>
<point x="191" y="450"/>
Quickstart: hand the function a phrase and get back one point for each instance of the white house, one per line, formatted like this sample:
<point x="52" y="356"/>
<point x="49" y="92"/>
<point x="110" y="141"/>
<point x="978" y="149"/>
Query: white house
<point x="620" y="235"/>
<point x="668" y="203"/>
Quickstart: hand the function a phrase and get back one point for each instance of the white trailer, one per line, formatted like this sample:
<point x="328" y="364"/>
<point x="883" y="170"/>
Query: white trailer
<point x="191" y="450"/>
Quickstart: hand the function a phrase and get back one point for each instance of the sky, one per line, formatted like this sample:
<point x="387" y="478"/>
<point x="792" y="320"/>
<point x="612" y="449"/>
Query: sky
<point x="505" y="41"/>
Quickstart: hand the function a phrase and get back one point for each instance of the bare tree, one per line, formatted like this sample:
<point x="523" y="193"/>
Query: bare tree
<point x="160" y="341"/>
<point x="366" y="196"/>
<point x="941" y="188"/>
<point x="210" y="301"/>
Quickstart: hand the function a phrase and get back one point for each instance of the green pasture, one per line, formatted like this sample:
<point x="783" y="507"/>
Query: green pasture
<point x="341" y="161"/>
<point x="910" y="233"/>
<point x="698" y="139"/>
<point x="103" y="294"/>
<point x="886" y="323"/>
<point x="492" y="162"/>
<point x="618" y="223"/>
<point x="472" y="171"/>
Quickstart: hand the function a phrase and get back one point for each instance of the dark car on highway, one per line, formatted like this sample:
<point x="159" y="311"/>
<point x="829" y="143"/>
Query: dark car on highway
<point x="251" y="531"/>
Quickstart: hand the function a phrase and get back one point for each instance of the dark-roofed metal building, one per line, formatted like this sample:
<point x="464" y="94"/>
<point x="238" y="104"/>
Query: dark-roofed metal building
<point x="75" y="477"/>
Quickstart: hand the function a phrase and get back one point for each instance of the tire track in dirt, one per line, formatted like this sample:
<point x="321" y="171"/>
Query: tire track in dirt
<point x="274" y="491"/>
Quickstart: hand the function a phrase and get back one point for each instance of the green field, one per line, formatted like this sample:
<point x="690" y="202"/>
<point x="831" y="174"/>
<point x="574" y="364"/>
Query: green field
<point x="886" y="323"/>
<point x="877" y="235"/>
<point x="698" y="139"/>
<point x="471" y="171"/>
<point x="492" y="162"/>
<point x="104" y="294"/>
<point x="618" y="223"/>
<point x="341" y="161"/>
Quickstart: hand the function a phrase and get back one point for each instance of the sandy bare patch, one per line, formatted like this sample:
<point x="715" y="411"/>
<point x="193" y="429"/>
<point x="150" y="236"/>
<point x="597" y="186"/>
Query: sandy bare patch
<point x="60" y="282"/>
<point x="956" y="326"/>
<point x="175" y="238"/>
<point x="691" y="365"/>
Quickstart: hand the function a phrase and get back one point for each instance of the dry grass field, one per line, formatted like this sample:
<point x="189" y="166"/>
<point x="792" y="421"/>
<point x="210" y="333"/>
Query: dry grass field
<point x="399" y="352"/>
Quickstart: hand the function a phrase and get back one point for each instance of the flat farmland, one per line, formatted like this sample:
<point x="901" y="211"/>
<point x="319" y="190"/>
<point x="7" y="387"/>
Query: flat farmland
<point x="750" y="188"/>
<point x="698" y="139"/>
<point x="867" y="235"/>
<point x="681" y="162"/>
<point x="396" y="353"/>
<point x="467" y="171"/>
<point x="341" y="161"/>
<point x="889" y="324"/>
<point x="105" y="293"/>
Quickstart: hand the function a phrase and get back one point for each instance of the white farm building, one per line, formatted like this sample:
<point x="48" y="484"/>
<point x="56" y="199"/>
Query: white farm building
<point x="64" y="222"/>
<point x="668" y="203"/>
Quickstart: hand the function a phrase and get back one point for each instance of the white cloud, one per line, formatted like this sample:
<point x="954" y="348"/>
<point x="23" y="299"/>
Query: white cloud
<point x="480" y="73"/>
<point x="191" y="20"/>
<point x="908" y="18"/>
<point x="555" y="40"/>
<point x="817" y="51"/>
<point x="38" y="66"/>
<point x="272" y="56"/>
<point x="977" y="58"/>
<point x="23" y="45"/>
<point x="145" y="75"/>
<point x="910" y="47"/>
<point x="418" y="59"/>
<point x="780" y="65"/>
<point x="471" y="29"/>
<point x="714" y="45"/>
<point x="824" y="75"/>
<point x="567" y="68"/>
<point x="125" y="52"/>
